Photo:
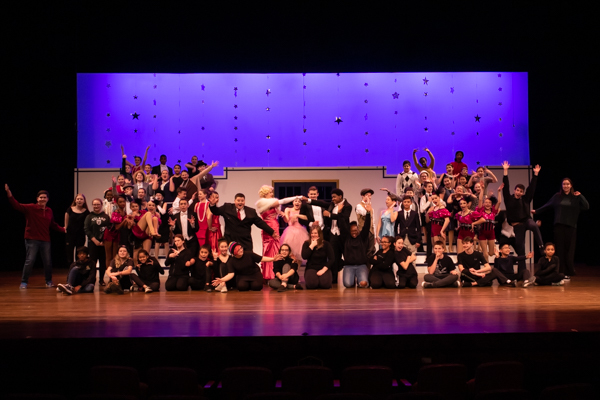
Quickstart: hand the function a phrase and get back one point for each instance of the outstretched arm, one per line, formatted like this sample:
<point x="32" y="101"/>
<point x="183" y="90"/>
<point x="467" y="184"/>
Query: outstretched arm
<point x="196" y="178"/>
<point x="432" y="163"/>
<point x="145" y="157"/>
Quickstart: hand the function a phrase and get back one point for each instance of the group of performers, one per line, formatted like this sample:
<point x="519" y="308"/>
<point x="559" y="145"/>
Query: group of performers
<point x="179" y="209"/>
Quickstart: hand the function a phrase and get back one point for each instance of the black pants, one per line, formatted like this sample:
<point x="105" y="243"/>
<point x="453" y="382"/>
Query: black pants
<point x="337" y="242"/>
<point x="381" y="279"/>
<point x="565" y="238"/>
<point x="155" y="286"/>
<point x="249" y="282"/>
<point x="72" y="242"/>
<point x="199" y="283"/>
<point x="549" y="279"/>
<point x="180" y="283"/>
<point x="275" y="283"/>
<point x="408" y="281"/>
<point x="443" y="280"/>
<point x="520" y="231"/>
<point x="313" y="281"/>
<point x="427" y="226"/>
<point x="98" y="254"/>
<point x="468" y="279"/>
<point x="522" y="275"/>
<point x="193" y="245"/>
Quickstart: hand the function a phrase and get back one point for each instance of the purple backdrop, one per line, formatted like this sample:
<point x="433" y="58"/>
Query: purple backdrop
<point x="231" y="118"/>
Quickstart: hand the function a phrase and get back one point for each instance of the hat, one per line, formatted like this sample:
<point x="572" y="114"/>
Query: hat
<point x="366" y="190"/>
<point x="201" y="163"/>
<point x="233" y="246"/>
<point x="125" y="186"/>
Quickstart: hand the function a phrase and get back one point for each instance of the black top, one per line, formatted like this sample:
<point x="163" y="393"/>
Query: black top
<point x="245" y="265"/>
<point x="278" y="266"/>
<point x="355" y="249"/>
<point x="96" y="224"/>
<point x="86" y="271"/>
<point x="443" y="267"/>
<point x="402" y="256"/>
<point x="318" y="257"/>
<point x="474" y="260"/>
<point x="383" y="261"/>
<point x="149" y="271"/>
<point x="240" y="230"/>
<point x="76" y="222"/>
<point x="517" y="210"/>
<point x="410" y="227"/>
<point x="218" y="264"/>
<point x="177" y="264"/>
<point x="207" y="182"/>
<point x="566" y="208"/>
<point x="198" y="270"/>
<point x="547" y="267"/>
<point x="506" y="264"/>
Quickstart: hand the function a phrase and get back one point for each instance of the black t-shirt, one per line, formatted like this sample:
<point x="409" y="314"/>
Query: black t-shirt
<point x="402" y="256"/>
<point x="245" y="265"/>
<point x="444" y="266"/>
<point x="149" y="271"/>
<point x="468" y="261"/>
<point x="198" y="270"/>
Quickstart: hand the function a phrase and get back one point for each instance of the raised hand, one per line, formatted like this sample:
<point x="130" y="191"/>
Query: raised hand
<point x="384" y="189"/>
<point x="574" y="193"/>
<point x="171" y="222"/>
<point x="505" y="165"/>
<point x="192" y="220"/>
<point x="536" y="169"/>
<point x="369" y="207"/>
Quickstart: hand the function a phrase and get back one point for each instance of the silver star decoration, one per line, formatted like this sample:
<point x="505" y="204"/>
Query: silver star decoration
<point x="135" y="96"/>
<point x="108" y="143"/>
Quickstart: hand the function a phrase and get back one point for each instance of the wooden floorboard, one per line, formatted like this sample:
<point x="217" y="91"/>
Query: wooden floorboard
<point x="38" y="312"/>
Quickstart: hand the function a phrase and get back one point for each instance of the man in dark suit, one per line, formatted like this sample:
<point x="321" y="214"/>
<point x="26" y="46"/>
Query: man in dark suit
<point x="185" y="222"/>
<point x="239" y="220"/>
<point x="313" y="213"/>
<point x="156" y="170"/>
<point x="408" y="225"/>
<point x="207" y="181"/>
<point x="338" y="211"/>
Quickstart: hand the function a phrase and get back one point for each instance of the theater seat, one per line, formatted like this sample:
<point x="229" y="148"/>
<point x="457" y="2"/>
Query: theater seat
<point x="173" y="381"/>
<point x="372" y="380"/>
<point x="497" y="375"/>
<point x="575" y="391"/>
<point x="309" y="381"/>
<point x="239" y="382"/>
<point x="117" y="380"/>
<point x="450" y="380"/>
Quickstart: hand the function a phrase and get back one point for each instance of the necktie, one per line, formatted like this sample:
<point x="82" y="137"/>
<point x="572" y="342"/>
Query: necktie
<point x="239" y="216"/>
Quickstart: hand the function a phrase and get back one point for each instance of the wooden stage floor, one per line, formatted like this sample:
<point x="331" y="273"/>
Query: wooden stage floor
<point x="44" y="313"/>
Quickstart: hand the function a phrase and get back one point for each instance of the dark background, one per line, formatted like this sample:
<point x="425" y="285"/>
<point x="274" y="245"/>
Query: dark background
<point x="45" y="46"/>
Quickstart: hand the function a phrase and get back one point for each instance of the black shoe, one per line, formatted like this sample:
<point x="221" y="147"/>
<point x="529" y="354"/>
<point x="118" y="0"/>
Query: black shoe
<point x="282" y="288"/>
<point x="208" y="288"/>
<point x="511" y="283"/>
<point x="299" y="287"/>
<point x="117" y="288"/>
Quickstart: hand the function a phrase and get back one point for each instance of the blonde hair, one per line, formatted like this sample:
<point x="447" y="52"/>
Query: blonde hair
<point x="265" y="190"/>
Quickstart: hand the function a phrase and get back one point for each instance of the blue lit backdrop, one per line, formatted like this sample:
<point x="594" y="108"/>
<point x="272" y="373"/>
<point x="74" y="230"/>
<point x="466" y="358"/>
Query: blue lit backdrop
<point x="288" y="120"/>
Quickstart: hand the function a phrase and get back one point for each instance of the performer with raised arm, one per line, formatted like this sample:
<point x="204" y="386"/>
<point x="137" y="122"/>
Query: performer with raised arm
<point x="356" y="250"/>
<point x="313" y="213"/>
<point x="38" y="222"/>
<point x="361" y="213"/>
<point x="421" y="165"/>
<point x="139" y="163"/>
<point x="239" y="220"/>
<point x="517" y="211"/>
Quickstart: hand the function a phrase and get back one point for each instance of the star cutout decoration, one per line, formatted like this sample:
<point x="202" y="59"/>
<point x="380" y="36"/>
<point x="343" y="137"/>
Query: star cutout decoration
<point x="108" y="143"/>
<point x="234" y="94"/>
<point x="452" y="133"/>
<point x="154" y="116"/>
<point x="499" y="75"/>
<point x="304" y="117"/>
<point x="500" y="134"/>
<point x="304" y="87"/>
<point x="268" y="108"/>
<point x="235" y="106"/>
<point x="304" y="130"/>
<point x="179" y="132"/>
<point x="426" y="81"/>
<point x="366" y="101"/>
<point x="426" y="130"/>
<point x="154" y="101"/>
<point x="135" y="115"/>
<point x="135" y="131"/>
<point x="155" y="86"/>
<point x="202" y="87"/>
<point x="338" y="74"/>
<point x="500" y="103"/>
<point x="202" y="128"/>
<point x="366" y="84"/>
<point x="477" y="118"/>
<point x="235" y="140"/>
<point x="268" y="92"/>
<point x="304" y="74"/>
<point x="235" y="128"/>
<point x="107" y="129"/>
<point x="338" y="120"/>
<point x="178" y="161"/>
<point x="478" y="163"/>
<point x="426" y="118"/>
<point x="395" y="95"/>
<point x="366" y="150"/>
<point x="500" y="119"/>
<point x="304" y="144"/>
<point x="135" y="96"/>
<point x="367" y="132"/>
<point x="235" y="117"/>
<point x="452" y="90"/>
<point x="366" y="117"/>
<point x="395" y="112"/>
<point x="108" y="161"/>
<point x="268" y="150"/>
<point x="268" y="136"/>
<point x="425" y="94"/>
<point x="108" y="114"/>
<point x="108" y="85"/>
<point x="235" y="88"/>
<point x="477" y="133"/>
<point x="499" y="89"/>
<point x="339" y="147"/>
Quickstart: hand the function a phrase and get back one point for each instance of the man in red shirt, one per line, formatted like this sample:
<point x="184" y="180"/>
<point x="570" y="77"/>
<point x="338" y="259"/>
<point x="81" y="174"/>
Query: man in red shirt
<point x="38" y="222"/>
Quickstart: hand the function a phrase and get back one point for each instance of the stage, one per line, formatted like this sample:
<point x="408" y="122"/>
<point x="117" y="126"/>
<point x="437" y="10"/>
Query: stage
<point x="42" y="313"/>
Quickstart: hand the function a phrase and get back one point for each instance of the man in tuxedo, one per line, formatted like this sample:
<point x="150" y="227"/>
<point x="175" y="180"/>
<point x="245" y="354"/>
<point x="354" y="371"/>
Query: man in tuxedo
<point x="239" y="220"/>
<point x="185" y="222"/>
<point x="156" y="170"/>
<point x="408" y="225"/>
<point x="338" y="211"/>
<point x="313" y="213"/>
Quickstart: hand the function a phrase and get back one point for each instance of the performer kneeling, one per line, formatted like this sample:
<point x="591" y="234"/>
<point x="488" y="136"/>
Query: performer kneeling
<point x="320" y="258"/>
<point x="404" y="259"/>
<point x="118" y="272"/>
<point x="180" y="260"/>
<point x="147" y="269"/>
<point x="286" y="271"/>
<point x="82" y="274"/>
<point x="548" y="267"/>
<point x="242" y="266"/>
<point x="201" y="271"/>
<point x="441" y="269"/>
<point x="382" y="273"/>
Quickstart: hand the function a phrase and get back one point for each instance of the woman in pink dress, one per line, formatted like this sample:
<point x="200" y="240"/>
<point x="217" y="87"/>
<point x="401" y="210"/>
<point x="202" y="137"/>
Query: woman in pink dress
<point x="467" y="220"/>
<point x="204" y="216"/>
<point x="268" y="209"/>
<point x="295" y="234"/>
<point x="439" y="216"/>
<point x="487" y="236"/>
<point x="214" y="227"/>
